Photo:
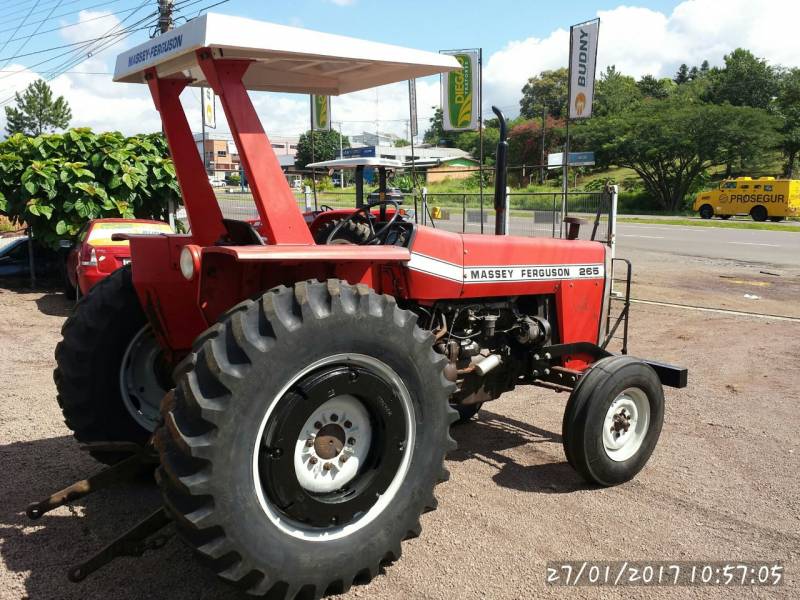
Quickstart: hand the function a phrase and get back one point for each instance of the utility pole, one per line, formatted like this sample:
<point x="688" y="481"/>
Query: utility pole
<point x="164" y="25"/>
<point x="341" y="171"/>
<point x="165" y="15"/>
<point x="544" y="119"/>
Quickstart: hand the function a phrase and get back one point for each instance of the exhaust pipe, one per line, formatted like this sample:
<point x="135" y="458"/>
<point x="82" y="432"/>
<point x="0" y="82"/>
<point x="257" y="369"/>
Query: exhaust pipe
<point x="500" y="176"/>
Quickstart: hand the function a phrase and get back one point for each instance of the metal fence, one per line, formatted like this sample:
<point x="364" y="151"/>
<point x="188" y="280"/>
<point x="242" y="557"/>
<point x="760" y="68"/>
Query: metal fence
<point x="533" y="214"/>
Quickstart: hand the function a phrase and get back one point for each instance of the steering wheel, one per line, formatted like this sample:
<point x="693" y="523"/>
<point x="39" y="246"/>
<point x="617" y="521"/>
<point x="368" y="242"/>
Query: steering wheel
<point x="325" y="208"/>
<point x="374" y="235"/>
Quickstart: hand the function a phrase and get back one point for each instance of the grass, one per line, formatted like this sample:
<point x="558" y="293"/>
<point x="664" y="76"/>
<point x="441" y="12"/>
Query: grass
<point x="711" y="223"/>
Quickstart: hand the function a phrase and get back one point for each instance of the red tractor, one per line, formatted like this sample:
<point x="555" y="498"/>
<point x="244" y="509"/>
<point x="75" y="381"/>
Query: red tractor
<point x="298" y="394"/>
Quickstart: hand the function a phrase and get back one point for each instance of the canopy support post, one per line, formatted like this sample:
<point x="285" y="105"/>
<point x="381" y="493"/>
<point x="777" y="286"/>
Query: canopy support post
<point x="283" y="223"/>
<point x="201" y="203"/>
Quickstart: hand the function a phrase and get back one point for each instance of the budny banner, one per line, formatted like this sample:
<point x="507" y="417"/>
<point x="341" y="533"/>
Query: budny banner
<point x="461" y="93"/>
<point x="209" y="108"/>
<point x="320" y="112"/>
<point x="582" y="56"/>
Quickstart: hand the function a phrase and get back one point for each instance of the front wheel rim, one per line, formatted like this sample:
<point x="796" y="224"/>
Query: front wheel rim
<point x="626" y="424"/>
<point x="313" y="484"/>
<point x="140" y="386"/>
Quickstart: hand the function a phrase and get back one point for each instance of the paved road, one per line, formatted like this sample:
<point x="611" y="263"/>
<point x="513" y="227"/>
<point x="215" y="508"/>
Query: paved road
<point x="748" y="245"/>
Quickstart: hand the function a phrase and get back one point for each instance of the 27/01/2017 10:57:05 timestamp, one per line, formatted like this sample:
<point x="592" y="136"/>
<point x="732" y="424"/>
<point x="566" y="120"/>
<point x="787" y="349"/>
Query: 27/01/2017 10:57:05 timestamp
<point x="666" y="573"/>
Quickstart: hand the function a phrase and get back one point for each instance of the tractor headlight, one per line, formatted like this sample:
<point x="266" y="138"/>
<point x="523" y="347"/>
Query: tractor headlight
<point x="189" y="261"/>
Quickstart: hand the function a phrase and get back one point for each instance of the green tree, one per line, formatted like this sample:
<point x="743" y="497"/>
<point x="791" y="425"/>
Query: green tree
<point x="670" y="144"/>
<point x="401" y="143"/>
<point x="787" y="107"/>
<point x="36" y="111"/>
<point x="325" y="146"/>
<point x="615" y="93"/>
<point x="650" y="87"/>
<point x="57" y="182"/>
<point x="682" y="76"/>
<point x="744" y="81"/>
<point x="525" y="141"/>
<point x="435" y="135"/>
<point x="549" y="90"/>
<point x="470" y="141"/>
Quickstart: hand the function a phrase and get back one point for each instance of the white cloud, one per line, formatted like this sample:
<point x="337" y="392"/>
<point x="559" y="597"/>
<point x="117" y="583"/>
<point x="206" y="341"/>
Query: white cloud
<point x="637" y="40"/>
<point x="343" y="2"/>
<point x="641" y="40"/>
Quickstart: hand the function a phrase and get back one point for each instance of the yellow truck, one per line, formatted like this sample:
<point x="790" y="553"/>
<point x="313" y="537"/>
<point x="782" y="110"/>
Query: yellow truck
<point x="763" y="198"/>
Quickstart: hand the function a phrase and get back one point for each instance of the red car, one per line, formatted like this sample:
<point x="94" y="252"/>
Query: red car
<point x="95" y="255"/>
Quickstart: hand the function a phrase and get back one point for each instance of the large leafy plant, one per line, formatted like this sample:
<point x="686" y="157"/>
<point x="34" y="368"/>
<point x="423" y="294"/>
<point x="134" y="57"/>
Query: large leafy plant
<point x="55" y="183"/>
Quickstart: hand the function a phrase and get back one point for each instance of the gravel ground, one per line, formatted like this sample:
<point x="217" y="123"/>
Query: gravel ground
<point x="722" y="484"/>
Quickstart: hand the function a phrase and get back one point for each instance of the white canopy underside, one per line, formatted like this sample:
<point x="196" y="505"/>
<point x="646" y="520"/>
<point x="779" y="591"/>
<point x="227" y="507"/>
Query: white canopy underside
<point x="287" y="59"/>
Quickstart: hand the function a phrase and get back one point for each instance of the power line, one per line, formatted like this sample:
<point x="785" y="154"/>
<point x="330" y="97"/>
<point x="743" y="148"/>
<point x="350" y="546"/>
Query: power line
<point x="51" y="49"/>
<point x="52" y="58"/>
<point x="62" y="72"/>
<point x="21" y="9"/>
<point x="82" y="54"/>
<point x="18" y="28"/>
<point x="78" y="23"/>
<point x="106" y="3"/>
<point x="89" y="47"/>
<point x="27" y="39"/>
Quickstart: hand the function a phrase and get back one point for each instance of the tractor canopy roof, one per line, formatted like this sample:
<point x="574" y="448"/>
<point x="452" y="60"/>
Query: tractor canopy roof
<point x="285" y="59"/>
<point x="358" y="161"/>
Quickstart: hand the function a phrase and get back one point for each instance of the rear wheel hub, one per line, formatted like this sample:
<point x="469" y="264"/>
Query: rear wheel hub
<point x="335" y="448"/>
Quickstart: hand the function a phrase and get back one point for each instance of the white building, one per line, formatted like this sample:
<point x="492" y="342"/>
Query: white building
<point x="365" y="138"/>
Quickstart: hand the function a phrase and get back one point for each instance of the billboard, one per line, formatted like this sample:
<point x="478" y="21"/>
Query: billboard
<point x="555" y="160"/>
<point x="209" y="107"/>
<point x="361" y="152"/>
<point x="320" y="112"/>
<point x="412" y="107"/>
<point x="461" y="92"/>
<point x="582" y="59"/>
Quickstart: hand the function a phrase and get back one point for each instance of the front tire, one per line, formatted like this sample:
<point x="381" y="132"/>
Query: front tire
<point x="108" y="375"/>
<point x="317" y="372"/>
<point x="759" y="214"/>
<point x="613" y="420"/>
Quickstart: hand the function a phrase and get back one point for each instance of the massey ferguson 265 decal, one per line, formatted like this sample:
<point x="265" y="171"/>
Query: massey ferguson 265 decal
<point x="504" y="273"/>
<point x="532" y="273"/>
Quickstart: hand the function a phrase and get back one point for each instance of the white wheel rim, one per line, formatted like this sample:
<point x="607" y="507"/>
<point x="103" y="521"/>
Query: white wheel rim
<point x="321" y="472"/>
<point x="626" y="423"/>
<point x="140" y="389"/>
<point x="304" y="532"/>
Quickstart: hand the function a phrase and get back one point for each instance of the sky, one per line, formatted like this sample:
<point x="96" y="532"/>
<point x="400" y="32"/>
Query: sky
<point x="519" y="39"/>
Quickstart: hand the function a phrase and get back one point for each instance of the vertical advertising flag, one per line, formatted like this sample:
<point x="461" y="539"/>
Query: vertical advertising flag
<point x="582" y="59"/>
<point x="209" y="107"/>
<point x="461" y="92"/>
<point x="320" y="112"/>
<point x="412" y="104"/>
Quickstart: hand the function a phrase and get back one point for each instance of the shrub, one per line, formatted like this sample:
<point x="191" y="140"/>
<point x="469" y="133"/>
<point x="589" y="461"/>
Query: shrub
<point x="55" y="183"/>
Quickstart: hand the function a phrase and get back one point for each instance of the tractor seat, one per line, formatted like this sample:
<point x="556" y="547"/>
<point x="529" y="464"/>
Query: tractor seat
<point x="574" y="226"/>
<point x="241" y="233"/>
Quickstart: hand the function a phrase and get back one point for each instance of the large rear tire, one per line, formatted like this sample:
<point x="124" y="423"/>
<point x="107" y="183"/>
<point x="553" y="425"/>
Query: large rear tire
<point x="613" y="420"/>
<point x="706" y="211"/>
<point x="108" y="375"/>
<point x="306" y="434"/>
